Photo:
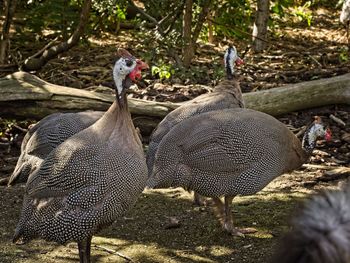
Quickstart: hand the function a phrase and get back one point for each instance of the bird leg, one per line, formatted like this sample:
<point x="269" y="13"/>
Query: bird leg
<point x="197" y="199"/>
<point x="200" y="200"/>
<point x="224" y="213"/>
<point x="219" y="209"/>
<point x="85" y="250"/>
<point x="228" y="222"/>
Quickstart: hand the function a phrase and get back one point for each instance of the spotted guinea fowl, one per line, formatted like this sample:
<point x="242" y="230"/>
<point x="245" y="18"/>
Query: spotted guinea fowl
<point x="229" y="152"/>
<point x="320" y="232"/>
<point x="45" y="136"/>
<point x="227" y="94"/>
<point x="91" y="178"/>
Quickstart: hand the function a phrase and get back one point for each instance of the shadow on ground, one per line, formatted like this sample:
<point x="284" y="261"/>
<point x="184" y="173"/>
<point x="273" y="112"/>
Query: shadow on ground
<point x="143" y="234"/>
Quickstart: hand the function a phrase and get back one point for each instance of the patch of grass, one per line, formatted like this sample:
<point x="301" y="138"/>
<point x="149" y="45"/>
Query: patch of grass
<point x="142" y="234"/>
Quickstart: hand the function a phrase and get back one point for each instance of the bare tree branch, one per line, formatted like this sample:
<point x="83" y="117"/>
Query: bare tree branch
<point x="201" y="19"/>
<point x="147" y="16"/>
<point x="33" y="63"/>
<point x="9" y="11"/>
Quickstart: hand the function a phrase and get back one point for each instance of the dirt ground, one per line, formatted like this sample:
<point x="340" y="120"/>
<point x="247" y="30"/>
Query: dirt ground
<point x="145" y="233"/>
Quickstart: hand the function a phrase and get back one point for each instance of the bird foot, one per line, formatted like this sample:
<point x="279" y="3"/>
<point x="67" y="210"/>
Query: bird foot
<point x="199" y="200"/>
<point x="232" y="230"/>
<point x="240" y="232"/>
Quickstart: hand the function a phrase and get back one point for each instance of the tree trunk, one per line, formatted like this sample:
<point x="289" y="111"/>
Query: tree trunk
<point x="210" y="29"/>
<point x="26" y="96"/>
<point x="260" y="25"/>
<point x="201" y="19"/>
<point x="187" y="48"/>
<point x="9" y="11"/>
<point x="34" y="63"/>
<point x="189" y="38"/>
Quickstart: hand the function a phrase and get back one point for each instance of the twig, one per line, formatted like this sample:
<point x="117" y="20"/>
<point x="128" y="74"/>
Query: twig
<point x="112" y="251"/>
<point x="20" y="128"/>
<point x="337" y="120"/>
<point x="50" y="44"/>
<point x="322" y="167"/>
<point x="301" y="132"/>
<point x="315" y="60"/>
<point x="149" y="17"/>
<point x="339" y="171"/>
<point x="4" y="181"/>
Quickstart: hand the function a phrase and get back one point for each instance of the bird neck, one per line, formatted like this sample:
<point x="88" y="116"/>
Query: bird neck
<point x="122" y="83"/>
<point x="118" y="80"/>
<point x="233" y="88"/>
<point x="309" y="140"/>
<point x="229" y="71"/>
<point x="116" y="128"/>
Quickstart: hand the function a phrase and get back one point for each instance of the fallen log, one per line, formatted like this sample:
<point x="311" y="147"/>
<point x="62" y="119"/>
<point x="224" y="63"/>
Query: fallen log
<point x="23" y="95"/>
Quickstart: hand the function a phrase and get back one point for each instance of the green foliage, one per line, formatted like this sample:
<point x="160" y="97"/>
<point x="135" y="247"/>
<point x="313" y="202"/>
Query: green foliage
<point x="278" y="7"/>
<point x="60" y="17"/>
<point x="344" y="54"/>
<point x="218" y="72"/>
<point x="163" y="71"/>
<point x="303" y="12"/>
<point x="107" y="14"/>
<point x="233" y="17"/>
<point x="160" y="8"/>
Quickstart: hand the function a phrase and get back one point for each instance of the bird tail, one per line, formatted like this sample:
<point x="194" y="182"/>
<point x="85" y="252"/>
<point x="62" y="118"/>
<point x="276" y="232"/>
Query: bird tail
<point x="321" y="231"/>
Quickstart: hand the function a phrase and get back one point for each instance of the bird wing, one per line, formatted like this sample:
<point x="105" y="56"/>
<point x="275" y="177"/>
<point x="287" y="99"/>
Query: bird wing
<point x="64" y="170"/>
<point x="202" y="104"/>
<point x="214" y="152"/>
<point x="228" y="140"/>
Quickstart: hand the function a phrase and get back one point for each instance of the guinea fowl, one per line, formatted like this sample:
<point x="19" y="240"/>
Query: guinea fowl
<point x="225" y="95"/>
<point x="45" y="136"/>
<point x="91" y="178"/>
<point x="230" y="152"/>
<point x="320" y="232"/>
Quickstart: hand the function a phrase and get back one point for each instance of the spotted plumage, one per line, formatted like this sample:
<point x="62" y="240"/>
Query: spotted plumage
<point x="45" y="136"/>
<point x="90" y="179"/>
<point x="320" y="231"/>
<point x="226" y="153"/>
<point x="225" y="95"/>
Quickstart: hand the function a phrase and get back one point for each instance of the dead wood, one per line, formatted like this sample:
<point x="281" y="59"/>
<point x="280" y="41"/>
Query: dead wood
<point x="23" y="95"/>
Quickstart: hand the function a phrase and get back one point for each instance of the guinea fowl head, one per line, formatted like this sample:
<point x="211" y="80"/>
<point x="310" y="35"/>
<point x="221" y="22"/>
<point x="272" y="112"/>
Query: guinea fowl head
<point x="315" y="131"/>
<point x="230" y="58"/>
<point x="126" y="71"/>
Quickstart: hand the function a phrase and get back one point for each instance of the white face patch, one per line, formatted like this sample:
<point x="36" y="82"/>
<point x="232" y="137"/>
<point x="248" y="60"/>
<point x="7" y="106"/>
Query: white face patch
<point x="230" y="57"/>
<point x="122" y="68"/>
<point x="318" y="130"/>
